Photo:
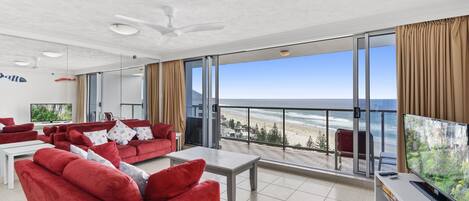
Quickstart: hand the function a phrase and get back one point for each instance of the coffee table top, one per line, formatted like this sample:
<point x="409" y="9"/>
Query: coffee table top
<point x="216" y="158"/>
<point x="20" y="144"/>
<point x="26" y="149"/>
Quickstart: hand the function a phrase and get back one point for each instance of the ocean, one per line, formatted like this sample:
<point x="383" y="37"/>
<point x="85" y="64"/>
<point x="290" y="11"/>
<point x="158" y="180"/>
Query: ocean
<point x="337" y="119"/>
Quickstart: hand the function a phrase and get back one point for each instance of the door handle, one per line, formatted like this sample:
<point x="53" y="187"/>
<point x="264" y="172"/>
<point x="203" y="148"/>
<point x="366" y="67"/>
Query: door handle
<point x="215" y="108"/>
<point x="356" y="112"/>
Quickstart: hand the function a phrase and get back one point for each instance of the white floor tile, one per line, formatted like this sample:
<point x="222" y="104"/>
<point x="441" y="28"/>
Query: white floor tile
<point x="279" y="192"/>
<point x="300" y="196"/>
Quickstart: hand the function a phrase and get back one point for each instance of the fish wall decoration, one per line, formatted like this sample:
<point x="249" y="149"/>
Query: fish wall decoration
<point x="13" y="78"/>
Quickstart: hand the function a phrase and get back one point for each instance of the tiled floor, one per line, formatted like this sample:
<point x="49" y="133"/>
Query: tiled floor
<point x="272" y="186"/>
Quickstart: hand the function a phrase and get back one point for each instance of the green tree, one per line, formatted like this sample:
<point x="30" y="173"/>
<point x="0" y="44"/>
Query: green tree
<point x="309" y="144"/>
<point x="321" y="141"/>
<point x="262" y="135"/>
<point x="231" y="123"/>
<point x="238" y="124"/>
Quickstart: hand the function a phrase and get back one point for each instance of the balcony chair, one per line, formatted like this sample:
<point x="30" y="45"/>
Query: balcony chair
<point x="108" y="116"/>
<point x="344" y="147"/>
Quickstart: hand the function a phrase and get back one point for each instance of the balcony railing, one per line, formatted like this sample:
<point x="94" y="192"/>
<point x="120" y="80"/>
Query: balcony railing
<point x="386" y="126"/>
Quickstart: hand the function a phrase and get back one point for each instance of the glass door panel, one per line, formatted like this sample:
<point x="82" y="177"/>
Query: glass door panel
<point x="132" y="93"/>
<point x="194" y="102"/>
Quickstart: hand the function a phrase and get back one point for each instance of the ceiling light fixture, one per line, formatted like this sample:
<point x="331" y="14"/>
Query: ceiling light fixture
<point x="123" y="29"/>
<point x="21" y="63"/>
<point x="284" y="53"/>
<point x="52" y="54"/>
<point x="67" y="77"/>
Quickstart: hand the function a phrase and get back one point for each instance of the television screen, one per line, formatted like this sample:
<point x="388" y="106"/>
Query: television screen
<point x="51" y="112"/>
<point x="437" y="151"/>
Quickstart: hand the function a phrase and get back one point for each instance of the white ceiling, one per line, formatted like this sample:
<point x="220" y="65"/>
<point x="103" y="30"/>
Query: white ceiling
<point x="250" y="24"/>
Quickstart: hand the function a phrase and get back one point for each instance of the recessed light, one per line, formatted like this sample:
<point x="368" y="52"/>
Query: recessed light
<point x="123" y="29"/>
<point x="21" y="63"/>
<point x="52" y="54"/>
<point x="284" y="53"/>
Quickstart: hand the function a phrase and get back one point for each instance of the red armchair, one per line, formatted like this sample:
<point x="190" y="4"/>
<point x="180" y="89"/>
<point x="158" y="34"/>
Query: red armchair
<point x="59" y="175"/>
<point x="16" y="133"/>
<point x="344" y="146"/>
<point x="136" y="150"/>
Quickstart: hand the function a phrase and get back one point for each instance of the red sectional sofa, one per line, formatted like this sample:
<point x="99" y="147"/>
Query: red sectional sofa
<point x="136" y="150"/>
<point x="55" y="175"/>
<point x="16" y="133"/>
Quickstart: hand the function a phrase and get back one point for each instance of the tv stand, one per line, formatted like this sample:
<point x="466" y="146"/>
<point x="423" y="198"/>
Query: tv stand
<point x="400" y="189"/>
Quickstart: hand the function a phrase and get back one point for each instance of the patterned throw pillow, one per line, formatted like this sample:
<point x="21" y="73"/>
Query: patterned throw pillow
<point x="97" y="137"/>
<point x="138" y="175"/>
<point x="77" y="150"/>
<point x="92" y="156"/>
<point x="121" y="133"/>
<point x="144" y="133"/>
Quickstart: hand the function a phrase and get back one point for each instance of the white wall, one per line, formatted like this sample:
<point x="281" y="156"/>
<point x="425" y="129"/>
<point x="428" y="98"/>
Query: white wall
<point x="131" y="92"/>
<point x="15" y="97"/>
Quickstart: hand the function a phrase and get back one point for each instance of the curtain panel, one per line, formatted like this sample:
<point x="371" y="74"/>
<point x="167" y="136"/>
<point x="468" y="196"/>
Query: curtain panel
<point x="432" y="73"/>
<point x="174" y="95"/>
<point x="153" y="92"/>
<point x="81" y="99"/>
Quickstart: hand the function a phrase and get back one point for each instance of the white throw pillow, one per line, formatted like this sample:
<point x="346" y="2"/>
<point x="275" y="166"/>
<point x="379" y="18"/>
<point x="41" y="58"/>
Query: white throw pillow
<point x="92" y="156"/>
<point x="138" y="175"/>
<point x="1" y="126"/>
<point x="144" y="133"/>
<point x="121" y="133"/>
<point x="79" y="151"/>
<point x="97" y="137"/>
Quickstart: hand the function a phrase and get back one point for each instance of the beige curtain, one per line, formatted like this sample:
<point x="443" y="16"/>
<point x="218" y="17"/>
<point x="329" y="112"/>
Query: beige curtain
<point x="432" y="73"/>
<point x="153" y="92"/>
<point x="81" y="99"/>
<point x="174" y="95"/>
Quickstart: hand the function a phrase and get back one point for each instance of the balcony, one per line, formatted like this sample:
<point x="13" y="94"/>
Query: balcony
<point x="301" y="136"/>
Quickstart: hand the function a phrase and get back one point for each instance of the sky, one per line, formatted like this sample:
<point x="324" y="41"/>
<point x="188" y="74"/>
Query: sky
<point x="323" y="76"/>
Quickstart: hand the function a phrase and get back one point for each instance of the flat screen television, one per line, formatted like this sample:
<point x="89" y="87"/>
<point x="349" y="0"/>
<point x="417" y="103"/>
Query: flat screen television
<point x="437" y="151"/>
<point x="51" y="112"/>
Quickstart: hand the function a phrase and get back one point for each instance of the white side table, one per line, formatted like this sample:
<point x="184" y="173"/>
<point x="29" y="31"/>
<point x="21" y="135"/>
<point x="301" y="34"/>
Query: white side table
<point x="178" y="141"/>
<point x="9" y="158"/>
<point x="11" y="145"/>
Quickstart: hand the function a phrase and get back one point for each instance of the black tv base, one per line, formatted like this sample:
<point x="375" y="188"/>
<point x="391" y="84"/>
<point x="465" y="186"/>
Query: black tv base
<point x="430" y="192"/>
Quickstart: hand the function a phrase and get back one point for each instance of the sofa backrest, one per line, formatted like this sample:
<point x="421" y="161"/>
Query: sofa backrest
<point x="100" y="181"/>
<point x="94" y="126"/>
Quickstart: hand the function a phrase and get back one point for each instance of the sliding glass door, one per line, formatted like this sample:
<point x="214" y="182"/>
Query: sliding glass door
<point x="375" y="94"/>
<point x="202" y="101"/>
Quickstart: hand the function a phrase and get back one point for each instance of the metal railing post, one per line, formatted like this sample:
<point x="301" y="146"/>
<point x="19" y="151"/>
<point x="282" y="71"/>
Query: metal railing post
<point x="283" y="139"/>
<point x="249" y="125"/>
<point x="382" y="132"/>
<point x="327" y="132"/>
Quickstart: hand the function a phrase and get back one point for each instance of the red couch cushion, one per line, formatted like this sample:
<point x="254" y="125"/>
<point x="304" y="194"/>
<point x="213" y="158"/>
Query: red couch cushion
<point x="49" y="130"/>
<point x="103" y="182"/>
<point x="148" y="146"/>
<point x="126" y="151"/>
<point x="7" y="121"/>
<point x="53" y="159"/>
<point x="174" y="181"/>
<point x="18" y="128"/>
<point x="108" y="151"/>
<point x="78" y="138"/>
<point x="161" y="130"/>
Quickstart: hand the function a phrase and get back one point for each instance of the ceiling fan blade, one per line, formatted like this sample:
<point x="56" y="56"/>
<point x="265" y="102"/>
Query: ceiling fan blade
<point x="201" y="27"/>
<point x="131" y="19"/>
<point x="162" y="29"/>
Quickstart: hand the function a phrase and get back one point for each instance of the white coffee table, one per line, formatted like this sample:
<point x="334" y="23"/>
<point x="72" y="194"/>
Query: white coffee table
<point x="220" y="162"/>
<point x="11" y="145"/>
<point x="8" y="158"/>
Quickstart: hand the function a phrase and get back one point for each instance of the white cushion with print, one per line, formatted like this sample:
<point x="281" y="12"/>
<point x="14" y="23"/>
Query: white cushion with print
<point x="138" y="175"/>
<point x="77" y="150"/>
<point x="93" y="156"/>
<point x="97" y="137"/>
<point x="121" y="133"/>
<point x="144" y="133"/>
<point x="1" y="127"/>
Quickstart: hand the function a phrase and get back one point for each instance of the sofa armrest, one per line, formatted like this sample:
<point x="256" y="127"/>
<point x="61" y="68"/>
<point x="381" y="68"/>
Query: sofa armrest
<point x="208" y="190"/>
<point x="172" y="138"/>
<point x="17" y="137"/>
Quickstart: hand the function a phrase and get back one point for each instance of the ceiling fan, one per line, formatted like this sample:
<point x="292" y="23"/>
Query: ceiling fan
<point x="170" y="30"/>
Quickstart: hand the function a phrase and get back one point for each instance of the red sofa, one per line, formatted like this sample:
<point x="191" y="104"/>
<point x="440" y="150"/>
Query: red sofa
<point x="136" y="150"/>
<point x="16" y="133"/>
<point x="55" y="175"/>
